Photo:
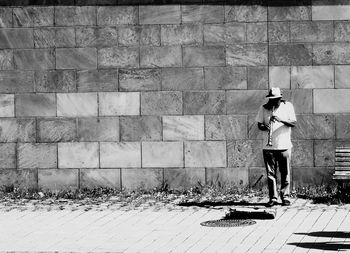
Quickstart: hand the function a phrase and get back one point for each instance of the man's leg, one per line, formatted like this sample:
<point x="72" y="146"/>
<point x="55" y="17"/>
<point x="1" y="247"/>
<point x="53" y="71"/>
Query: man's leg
<point x="271" y="166"/>
<point x="284" y="165"/>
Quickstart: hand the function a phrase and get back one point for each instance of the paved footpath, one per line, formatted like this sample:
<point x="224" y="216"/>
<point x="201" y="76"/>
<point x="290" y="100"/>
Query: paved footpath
<point x="302" y="227"/>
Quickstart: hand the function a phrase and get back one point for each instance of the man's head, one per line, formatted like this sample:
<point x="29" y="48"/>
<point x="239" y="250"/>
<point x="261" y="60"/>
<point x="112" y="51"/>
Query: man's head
<point x="274" y="96"/>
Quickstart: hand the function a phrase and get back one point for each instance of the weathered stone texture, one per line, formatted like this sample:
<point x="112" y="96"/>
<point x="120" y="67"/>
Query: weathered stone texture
<point x="55" y="81"/>
<point x="306" y="176"/>
<point x="160" y="103"/>
<point x="37" y="59"/>
<point x="76" y="58"/>
<point x="331" y="101"/>
<point x="78" y="155"/>
<point x="162" y="154"/>
<point x="139" y="79"/>
<point x="324" y="152"/>
<point x="244" y="102"/>
<point x="342" y="77"/>
<point x="331" y="53"/>
<point x="205" y="154"/>
<point x="214" y="34"/>
<point x="43" y="16"/>
<point x="226" y="78"/>
<point x="256" y="32"/>
<point x="23" y="17"/>
<point x="342" y="31"/>
<point x="118" y="57"/>
<point x="150" y="35"/>
<point x="94" y="178"/>
<point x="183" y="127"/>
<point x="116" y="15"/>
<point x="6" y="17"/>
<point x="254" y="133"/>
<point x="98" y="129"/>
<point x="184" y="178"/>
<point x="129" y="36"/>
<point x="23" y="179"/>
<point x="97" y="80"/>
<point x="290" y="13"/>
<point x="303" y="153"/>
<point x="227" y="176"/>
<point x="279" y="32"/>
<point x="58" y="179"/>
<point x="96" y="36"/>
<point x="290" y="54"/>
<point x="225" y="127"/>
<point x="301" y="100"/>
<point x="342" y="126"/>
<point x="37" y="155"/>
<point x="162" y="14"/>
<point x="204" y="102"/>
<point x="56" y="130"/>
<point x="150" y="178"/>
<point x="7" y="105"/>
<point x="6" y="60"/>
<point x="245" y="13"/>
<point x="331" y="12"/>
<point x="309" y="77"/>
<point x="258" y="78"/>
<point x="76" y="104"/>
<point x="314" y="127"/>
<point x="235" y="33"/>
<point x="312" y="31"/>
<point x="203" y="13"/>
<point x="182" y="78"/>
<point x="75" y="15"/>
<point x="8" y="155"/>
<point x="155" y="57"/>
<point x="190" y="34"/>
<point x="17" y="130"/>
<point x="140" y="128"/>
<point x="279" y="76"/>
<point x="120" y="154"/>
<point x="119" y="103"/>
<point x="54" y="37"/>
<point x="204" y="56"/>
<point x="246" y="54"/>
<point x="16" y="38"/>
<point x="244" y="153"/>
<point x="35" y="105"/>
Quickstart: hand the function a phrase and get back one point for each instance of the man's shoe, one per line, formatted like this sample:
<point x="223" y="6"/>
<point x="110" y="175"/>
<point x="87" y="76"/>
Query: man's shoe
<point x="271" y="203"/>
<point x="286" y="202"/>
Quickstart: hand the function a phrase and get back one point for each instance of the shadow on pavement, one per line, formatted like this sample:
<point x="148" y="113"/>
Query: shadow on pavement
<point x="226" y="203"/>
<point x="337" y="234"/>
<point x="333" y="246"/>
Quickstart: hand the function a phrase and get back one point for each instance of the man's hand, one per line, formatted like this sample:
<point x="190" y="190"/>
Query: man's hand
<point x="275" y="118"/>
<point x="263" y="127"/>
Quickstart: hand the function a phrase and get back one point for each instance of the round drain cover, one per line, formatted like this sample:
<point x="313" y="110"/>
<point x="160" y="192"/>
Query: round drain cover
<point x="228" y="223"/>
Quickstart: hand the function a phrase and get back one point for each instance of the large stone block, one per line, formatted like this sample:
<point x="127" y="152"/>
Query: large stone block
<point x="56" y="130"/>
<point x="97" y="80"/>
<point x="214" y="34"/>
<point x="184" y="178"/>
<point x="235" y="33"/>
<point x="246" y="54"/>
<point x="279" y="32"/>
<point x="244" y="102"/>
<point x="96" y="36"/>
<point x="342" y="126"/>
<point x="16" y="81"/>
<point x="324" y="152"/>
<point x="205" y="154"/>
<point x="17" y="130"/>
<point x="331" y="53"/>
<point x="290" y="54"/>
<point x="129" y="36"/>
<point x="23" y="179"/>
<point x="254" y="133"/>
<point x="226" y="78"/>
<point x="225" y="127"/>
<point x="120" y="154"/>
<point x="182" y="78"/>
<point x="227" y="176"/>
<point x="162" y="14"/>
<point x="183" y="128"/>
<point x="155" y="57"/>
<point x="256" y="32"/>
<point x="55" y="81"/>
<point x="37" y="59"/>
<point x="342" y="77"/>
<point x="314" y="127"/>
<point x="75" y="15"/>
<point x="6" y="17"/>
<point x="188" y="34"/>
<point x="279" y="76"/>
<point x="76" y="58"/>
<point x="140" y="128"/>
<point x="303" y="153"/>
<point x="7" y="105"/>
<point x="161" y="102"/>
<point x="78" y="155"/>
<point x="301" y="99"/>
<point x="54" y="37"/>
<point x="150" y="35"/>
<point x="95" y="178"/>
<point x="8" y="155"/>
<point x="119" y="103"/>
<point x="118" y="57"/>
<point x="204" y="56"/>
<point x="76" y="104"/>
<point x="37" y="155"/>
<point x="203" y="13"/>
<point x="6" y="60"/>
<point x="289" y="13"/>
<point x="342" y="31"/>
<point x="245" y="153"/>
<point x="331" y="101"/>
<point x="134" y="179"/>
<point x="331" y="12"/>
<point x="35" y="105"/>
<point x="310" y="77"/>
<point x="43" y="16"/>
<point x="312" y="31"/>
<point x="258" y="78"/>
<point x="58" y="179"/>
<point x="245" y="13"/>
<point x="257" y="178"/>
<point x="311" y="176"/>
<point x="139" y="79"/>
<point x="23" y="17"/>
<point x="16" y="38"/>
<point x="116" y="15"/>
<point x="98" y="129"/>
<point x="204" y="102"/>
<point x="162" y="154"/>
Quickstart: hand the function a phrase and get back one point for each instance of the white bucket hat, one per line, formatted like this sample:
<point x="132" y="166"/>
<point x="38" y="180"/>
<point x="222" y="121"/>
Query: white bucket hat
<point x="274" y="93"/>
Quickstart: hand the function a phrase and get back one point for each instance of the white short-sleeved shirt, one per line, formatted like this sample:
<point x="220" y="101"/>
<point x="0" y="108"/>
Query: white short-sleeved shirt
<point x="281" y="134"/>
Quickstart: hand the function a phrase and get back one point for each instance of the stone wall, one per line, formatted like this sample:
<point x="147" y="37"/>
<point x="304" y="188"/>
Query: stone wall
<point x="129" y="95"/>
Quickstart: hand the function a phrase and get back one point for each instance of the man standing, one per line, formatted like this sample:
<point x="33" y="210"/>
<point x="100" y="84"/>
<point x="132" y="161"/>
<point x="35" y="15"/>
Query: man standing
<point x="276" y="118"/>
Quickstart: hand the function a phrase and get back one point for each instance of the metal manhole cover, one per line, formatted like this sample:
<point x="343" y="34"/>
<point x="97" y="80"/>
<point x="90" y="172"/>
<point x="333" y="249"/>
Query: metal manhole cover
<point x="228" y="223"/>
